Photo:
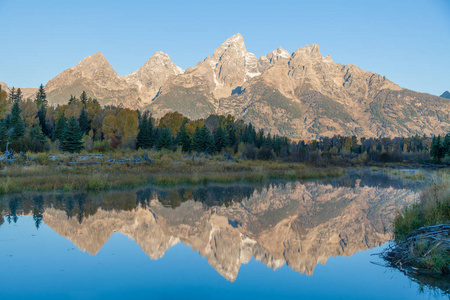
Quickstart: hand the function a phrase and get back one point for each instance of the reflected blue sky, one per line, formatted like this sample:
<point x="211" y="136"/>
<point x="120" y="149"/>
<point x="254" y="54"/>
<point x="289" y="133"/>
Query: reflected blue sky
<point x="40" y="264"/>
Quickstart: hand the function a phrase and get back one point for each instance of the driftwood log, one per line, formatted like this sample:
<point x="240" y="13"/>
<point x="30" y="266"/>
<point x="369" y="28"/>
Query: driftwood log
<point x="411" y="255"/>
<point x="9" y="154"/>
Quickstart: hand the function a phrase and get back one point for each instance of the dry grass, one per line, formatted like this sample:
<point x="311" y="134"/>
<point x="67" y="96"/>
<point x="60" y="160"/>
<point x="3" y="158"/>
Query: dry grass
<point x="420" y="242"/>
<point x="70" y="172"/>
<point x="432" y="208"/>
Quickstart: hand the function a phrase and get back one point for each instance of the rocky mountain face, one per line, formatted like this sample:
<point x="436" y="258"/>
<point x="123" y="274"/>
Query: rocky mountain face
<point x="152" y="76"/>
<point x="308" y="95"/>
<point x="301" y="94"/>
<point x="446" y="95"/>
<point x="94" y="75"/>
<point x="196" y="93"/>
<point x="296" y="224"/>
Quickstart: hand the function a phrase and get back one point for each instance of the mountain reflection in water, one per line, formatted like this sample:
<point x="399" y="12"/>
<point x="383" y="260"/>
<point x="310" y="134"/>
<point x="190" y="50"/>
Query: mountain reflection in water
<point x="299" y="224"/>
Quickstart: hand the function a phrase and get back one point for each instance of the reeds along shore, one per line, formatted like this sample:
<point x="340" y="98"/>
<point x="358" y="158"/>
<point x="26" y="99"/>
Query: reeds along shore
<point x="422" y="234"/>
<point x="101" y="172"/>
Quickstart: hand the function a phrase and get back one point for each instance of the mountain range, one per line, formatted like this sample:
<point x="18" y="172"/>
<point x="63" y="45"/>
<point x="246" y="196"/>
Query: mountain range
<point x="300" y="95"/>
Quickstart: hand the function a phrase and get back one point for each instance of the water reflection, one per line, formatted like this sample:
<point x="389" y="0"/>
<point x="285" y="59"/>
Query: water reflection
<point x="295" y="223"/>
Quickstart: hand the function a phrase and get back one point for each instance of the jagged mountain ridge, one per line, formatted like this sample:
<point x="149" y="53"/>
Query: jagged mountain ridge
<point x="300" y="225"/>
<point x="446" y="95"/>
<point x="97" y="77"/>
<point x="152" y="75"/>
<point x="300" y="95"/>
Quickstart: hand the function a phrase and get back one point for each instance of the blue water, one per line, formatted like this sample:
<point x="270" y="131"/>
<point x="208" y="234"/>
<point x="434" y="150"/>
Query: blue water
<point x="40" y="264"/>
<point x="160" y="244"/>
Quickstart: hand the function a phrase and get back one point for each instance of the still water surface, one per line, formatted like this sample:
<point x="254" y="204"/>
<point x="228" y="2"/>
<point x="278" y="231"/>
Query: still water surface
<point x="309" y="240"/>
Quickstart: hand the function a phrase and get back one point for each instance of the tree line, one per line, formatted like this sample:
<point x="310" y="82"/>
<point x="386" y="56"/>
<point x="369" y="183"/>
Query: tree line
<point x="33" y="125"/>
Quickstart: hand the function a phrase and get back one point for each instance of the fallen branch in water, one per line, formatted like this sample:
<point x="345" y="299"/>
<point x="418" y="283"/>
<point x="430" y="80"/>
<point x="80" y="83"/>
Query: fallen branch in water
<point x="425" y="251"/>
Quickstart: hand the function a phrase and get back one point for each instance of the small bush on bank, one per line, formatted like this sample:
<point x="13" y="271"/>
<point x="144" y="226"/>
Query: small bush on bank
<point x="433" y="207"/>
<point x="421" y="233"/>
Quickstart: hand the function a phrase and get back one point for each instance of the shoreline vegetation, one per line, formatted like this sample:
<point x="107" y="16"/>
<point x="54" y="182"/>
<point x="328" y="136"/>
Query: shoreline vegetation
<point x="421" y="245"/>
<point x="66" y="172"/>
<point x="81" y="145"/>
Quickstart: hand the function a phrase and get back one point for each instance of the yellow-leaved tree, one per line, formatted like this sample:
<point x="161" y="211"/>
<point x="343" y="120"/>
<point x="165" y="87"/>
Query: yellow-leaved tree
<point x="109" y="127"/>
<point x="128" y="123"/>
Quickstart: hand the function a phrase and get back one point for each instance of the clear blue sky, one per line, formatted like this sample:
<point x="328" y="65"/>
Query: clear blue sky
<point x="407" y="41"/>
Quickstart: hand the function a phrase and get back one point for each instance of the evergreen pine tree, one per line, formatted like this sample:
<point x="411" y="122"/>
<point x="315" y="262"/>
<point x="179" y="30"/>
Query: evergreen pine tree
<point x="209" y="138"/>
<point x="277" y="144"/>
<point x="83" y="99"/>
<point x="7" y="121"/>
<point x="203" y="140"/>
<point x="446" y="144"/>
<point x="37" y="139"/>
<point x="220" y="139"/>
<point x="84" y="122"/>
<point x="252" y="133"/>
<point x="42" y="113"/>
<point x="72" y="137"/>
<point x="41" y="103"/>
<point x="268" y="141"/>
<point x="146" y="135"/>
<point x="18" y="128"/>
<point x="141" y="136"/>
<point x="36" y="133"/>
<point x="19" y="95"/>
<point x="260" y="138"/>
<point x="184" y="140"/>
<point x="441" y="149"/>
<point x="60" y="129"/>
<point x="231" y="134"/>
<point x="12" y="95"/>
<point x="249" y="134"/>
<point x="72" y="99"/>
<point x="41" y="97"/>
<point x="437" y="148"/>
<point x="197" y="141"/>
<point x="165" y="139"/>
<point x="155" y="136"/>
<point x="3" y="135"/>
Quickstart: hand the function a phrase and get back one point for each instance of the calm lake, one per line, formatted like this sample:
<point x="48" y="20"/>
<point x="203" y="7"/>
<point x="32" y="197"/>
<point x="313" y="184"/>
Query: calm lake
<point x="277" y="240"/>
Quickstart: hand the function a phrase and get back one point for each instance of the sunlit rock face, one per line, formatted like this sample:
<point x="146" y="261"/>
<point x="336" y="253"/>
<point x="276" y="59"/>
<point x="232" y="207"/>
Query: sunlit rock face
<point x="302" y="94"/>
<point x="97" y="77"/>
<point x="153" y="75"/>
<point x="298" y="224"/>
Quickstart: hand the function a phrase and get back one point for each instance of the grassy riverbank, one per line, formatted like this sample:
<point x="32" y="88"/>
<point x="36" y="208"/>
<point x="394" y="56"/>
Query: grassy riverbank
<point x="422" y="233"/>
<point x="97" y="172"/>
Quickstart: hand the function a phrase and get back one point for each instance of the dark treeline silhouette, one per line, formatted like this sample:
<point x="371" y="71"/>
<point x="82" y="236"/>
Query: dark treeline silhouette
<point x="82" y="205"/>
<point x="341" y="150"/>
<point x="33" y="125"/>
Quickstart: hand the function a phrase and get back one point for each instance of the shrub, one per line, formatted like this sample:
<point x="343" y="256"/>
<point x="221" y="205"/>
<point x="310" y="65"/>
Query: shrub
<point x="433" y="207"/>
<point x="101" y="146"/>
<point x="25" y="144"/>
<point x="96" y="184"/>
<point x="266" y="154"/>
